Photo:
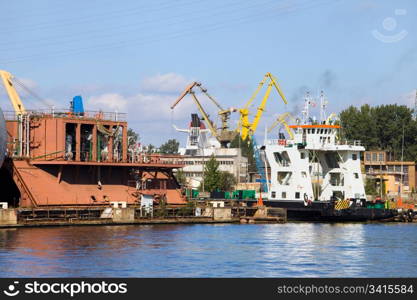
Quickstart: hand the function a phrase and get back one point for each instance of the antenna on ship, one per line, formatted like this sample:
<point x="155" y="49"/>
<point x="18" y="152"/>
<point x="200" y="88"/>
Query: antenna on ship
<point x="305" y="112"/>
<point x="323" y="106"/>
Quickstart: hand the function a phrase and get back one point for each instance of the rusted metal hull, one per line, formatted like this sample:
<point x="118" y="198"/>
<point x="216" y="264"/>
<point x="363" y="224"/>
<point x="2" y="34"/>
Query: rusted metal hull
<point x="66" y="184"/>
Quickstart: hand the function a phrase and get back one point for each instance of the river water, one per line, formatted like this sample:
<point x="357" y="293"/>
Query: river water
<point x="229" y="250"/>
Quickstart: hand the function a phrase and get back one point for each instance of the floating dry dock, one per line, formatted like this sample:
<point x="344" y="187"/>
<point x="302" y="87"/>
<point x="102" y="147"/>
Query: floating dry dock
<point x="67" y="159"/>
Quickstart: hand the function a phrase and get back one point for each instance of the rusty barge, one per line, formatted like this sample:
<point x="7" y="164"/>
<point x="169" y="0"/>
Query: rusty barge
<point x="78" y="160"/>
<point x="59" y="159"/>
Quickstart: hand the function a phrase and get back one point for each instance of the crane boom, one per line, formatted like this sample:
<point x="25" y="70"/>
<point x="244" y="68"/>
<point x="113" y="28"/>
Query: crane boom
<point x="224" y="135"/>
<point x="186" y="91"/>
<point x="210" y="97"/>
<point x="332" y="116"/>
<point x="282" y="120"/>
<point x="205" y="116"/>
<point x="18" y="106"/>
<point x="247" y="128"/>
<point x="261" y="109"/>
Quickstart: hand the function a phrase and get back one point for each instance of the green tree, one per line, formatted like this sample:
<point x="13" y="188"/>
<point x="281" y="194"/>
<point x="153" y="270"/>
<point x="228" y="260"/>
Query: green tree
<point x="150" y="148"/>
<point x="170" y="147"/>
<point x="381" y="128"/>
<point x="211" y="175"/>
<point x="227" y="181"/>
<point x="360" y="124"/>
<point x="370" y="187"/>
<point x="132" y="137"/>
<point x="180" y="176"/>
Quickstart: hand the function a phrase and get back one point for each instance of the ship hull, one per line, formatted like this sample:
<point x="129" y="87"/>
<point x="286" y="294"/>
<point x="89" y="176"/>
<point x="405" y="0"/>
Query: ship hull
<point x="324" y="211"/>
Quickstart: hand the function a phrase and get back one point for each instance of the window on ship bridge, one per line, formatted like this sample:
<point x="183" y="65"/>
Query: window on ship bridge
<point x="284" y="178"/>
<point x="282" y="158"/>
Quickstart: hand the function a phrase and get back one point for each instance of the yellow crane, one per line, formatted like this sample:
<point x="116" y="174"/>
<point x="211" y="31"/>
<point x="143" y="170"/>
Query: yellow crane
<point x="18" y="106"/>
<point x="224" y="136"/>
<point x="331" y="119"/>
<point x="246" y="128"/>
<point x="282" y="119"/>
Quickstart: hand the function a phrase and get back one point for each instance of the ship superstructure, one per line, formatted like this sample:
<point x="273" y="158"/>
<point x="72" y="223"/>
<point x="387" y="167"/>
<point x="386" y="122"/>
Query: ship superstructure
<point x="316" y="174"/>
<point x="314" y="166"/>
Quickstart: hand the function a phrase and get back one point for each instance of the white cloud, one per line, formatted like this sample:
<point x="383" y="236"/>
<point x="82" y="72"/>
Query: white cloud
<point x="109" y="102"/>
<point x="165" y="83"/>
<point x="152" y="107"/>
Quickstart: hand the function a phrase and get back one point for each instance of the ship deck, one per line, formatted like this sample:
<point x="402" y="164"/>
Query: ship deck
<point x="161" y="164"/>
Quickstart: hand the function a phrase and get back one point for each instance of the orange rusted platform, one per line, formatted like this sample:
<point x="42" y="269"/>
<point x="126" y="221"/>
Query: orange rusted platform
<point x="63" y="159"/>
<point x="88" y="184"/>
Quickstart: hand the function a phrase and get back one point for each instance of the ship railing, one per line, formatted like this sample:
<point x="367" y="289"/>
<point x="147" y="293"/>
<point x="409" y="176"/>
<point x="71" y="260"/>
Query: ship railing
<point x="66" y="113"/>
<point x="283" y="142"/>
<point x="155" y="159"/>
<point x="379" y="172"/>
<point x="86" y="156"/>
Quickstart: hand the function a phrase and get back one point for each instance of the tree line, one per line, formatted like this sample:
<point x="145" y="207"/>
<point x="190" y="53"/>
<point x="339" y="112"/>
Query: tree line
<point x="382" y="127"/>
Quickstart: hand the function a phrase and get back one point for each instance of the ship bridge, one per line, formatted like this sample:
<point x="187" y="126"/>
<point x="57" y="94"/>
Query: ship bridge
<point x="323" y="137"/>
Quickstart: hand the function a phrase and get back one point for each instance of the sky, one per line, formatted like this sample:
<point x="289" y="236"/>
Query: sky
<point x="138" y="56"/>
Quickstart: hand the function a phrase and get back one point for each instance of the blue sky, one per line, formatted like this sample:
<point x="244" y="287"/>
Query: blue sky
<point x="137" y="56"/>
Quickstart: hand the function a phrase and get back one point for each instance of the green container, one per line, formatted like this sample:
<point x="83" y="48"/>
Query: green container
<point x="248" y="194"/>
<point x="194" y="193"/>
<point x="379" y="205"/>
<point x="376" y="205"/>
<point x="191" y="193"/>
<point x="228" y="195"/>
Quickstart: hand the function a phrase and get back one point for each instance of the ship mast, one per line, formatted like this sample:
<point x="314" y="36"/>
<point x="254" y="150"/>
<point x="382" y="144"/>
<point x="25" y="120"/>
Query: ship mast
<point x="306" y="111"/>
<point x="323" y="106"/>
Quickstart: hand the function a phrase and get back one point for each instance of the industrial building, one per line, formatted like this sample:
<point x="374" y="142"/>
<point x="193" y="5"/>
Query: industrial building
<point x="398" y="176"/>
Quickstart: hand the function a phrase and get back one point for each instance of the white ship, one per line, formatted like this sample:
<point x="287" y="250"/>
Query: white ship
<point x="316" y="175"/>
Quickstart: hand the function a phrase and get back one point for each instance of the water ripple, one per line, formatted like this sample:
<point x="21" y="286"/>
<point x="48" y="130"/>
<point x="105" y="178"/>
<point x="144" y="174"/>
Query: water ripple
<point x="270" y="250"/>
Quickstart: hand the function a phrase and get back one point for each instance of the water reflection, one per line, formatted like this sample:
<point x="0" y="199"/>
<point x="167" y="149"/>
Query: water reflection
<point x="313" y="250"/>
<point x="276" y="250"/>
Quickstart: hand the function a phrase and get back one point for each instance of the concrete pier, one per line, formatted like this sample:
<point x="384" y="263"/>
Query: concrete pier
<point x="109" y="215"/>
<point x="8" y="217"/>
<point x="124" y="215"/>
